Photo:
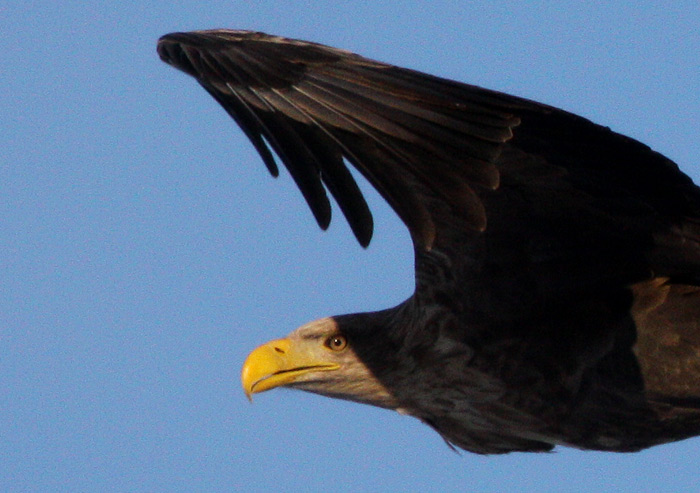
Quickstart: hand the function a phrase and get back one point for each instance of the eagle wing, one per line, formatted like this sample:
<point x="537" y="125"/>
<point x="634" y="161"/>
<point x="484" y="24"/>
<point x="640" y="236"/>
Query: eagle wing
<point x="481" y="176"/>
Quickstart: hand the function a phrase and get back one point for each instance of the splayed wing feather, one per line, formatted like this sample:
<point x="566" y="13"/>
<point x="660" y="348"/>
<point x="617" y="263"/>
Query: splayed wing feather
<point x="304" y="100"/>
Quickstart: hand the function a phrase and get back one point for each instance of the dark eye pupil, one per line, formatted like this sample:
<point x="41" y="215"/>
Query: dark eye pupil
<point x="337" y="341"/>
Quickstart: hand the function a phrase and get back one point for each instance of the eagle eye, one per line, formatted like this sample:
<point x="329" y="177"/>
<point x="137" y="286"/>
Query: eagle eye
<point x="336" y="342"/>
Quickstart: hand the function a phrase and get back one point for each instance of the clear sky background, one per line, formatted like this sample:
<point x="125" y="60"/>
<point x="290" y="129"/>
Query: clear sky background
<point x="144" y="250"/>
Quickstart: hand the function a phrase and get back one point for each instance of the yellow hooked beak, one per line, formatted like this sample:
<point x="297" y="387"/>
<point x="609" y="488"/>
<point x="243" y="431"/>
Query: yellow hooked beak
<point x="280" y="362"/>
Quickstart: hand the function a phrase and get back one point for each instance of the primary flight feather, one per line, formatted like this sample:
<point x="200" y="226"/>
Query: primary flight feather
<point x="557" y="297"/>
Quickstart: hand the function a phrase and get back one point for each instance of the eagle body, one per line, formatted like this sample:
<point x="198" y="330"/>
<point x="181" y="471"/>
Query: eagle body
<point x="557" y="297"/>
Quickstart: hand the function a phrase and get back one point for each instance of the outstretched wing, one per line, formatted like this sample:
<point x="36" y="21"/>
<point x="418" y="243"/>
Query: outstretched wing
<point x="448" y="157"/>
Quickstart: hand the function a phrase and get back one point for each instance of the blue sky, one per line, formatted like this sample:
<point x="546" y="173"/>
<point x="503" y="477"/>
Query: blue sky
<point x="144" y="250"/>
